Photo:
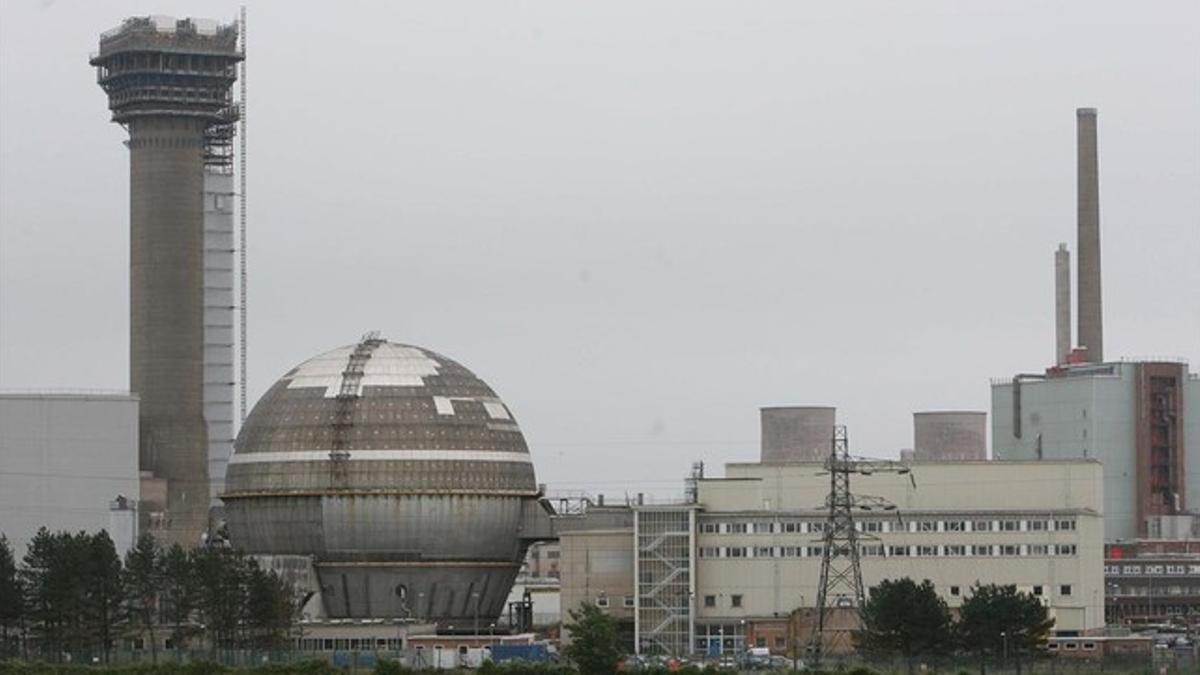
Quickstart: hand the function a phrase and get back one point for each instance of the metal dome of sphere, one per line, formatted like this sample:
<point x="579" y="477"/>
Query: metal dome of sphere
<point x="391" y="467"/>
<point x="403" y="409"/>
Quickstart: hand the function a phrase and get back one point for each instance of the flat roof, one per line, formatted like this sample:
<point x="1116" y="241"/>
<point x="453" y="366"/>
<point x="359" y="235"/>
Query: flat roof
<point x="929" y="462"/>
<point x="68" y="394"/>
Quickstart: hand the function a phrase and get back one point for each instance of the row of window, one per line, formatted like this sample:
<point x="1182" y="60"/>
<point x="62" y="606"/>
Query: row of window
<point x="348" y="644"/>
<point x="918" y="526"/>
<point x="1118" y="570"/>
<point x="735" y="600"/>
<point x="895" y="551"/>
<point x="602" y="601"/>
<point x="1068" y="646"/>
<point x="1162" y="590"/>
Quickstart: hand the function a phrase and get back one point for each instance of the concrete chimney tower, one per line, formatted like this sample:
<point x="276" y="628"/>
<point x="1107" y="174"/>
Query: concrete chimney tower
<point x="169" y="84"/>
<point x="1062" y="304"/>
<point x="1091" y="319"/>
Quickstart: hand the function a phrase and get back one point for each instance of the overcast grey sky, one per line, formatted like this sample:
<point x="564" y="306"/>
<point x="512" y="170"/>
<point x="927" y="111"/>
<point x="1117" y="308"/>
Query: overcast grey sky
<point x="640" y="221"/>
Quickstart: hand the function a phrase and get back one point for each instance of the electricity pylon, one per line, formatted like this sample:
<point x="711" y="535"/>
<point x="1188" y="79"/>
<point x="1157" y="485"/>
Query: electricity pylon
<point x="841" y="584"/>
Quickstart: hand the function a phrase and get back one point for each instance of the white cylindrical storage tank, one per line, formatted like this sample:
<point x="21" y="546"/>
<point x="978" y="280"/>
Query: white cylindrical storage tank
<point x="950" y="435"/>
<point x="797" y="433"/>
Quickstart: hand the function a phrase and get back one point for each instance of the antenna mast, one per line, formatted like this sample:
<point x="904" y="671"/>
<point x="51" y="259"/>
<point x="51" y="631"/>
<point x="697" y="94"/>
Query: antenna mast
<point x="242" y="227"/>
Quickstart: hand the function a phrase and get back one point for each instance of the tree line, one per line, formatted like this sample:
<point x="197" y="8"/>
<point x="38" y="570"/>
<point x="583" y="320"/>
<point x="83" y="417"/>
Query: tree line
<point x="995" y="623"/>
<point x="72" y="594"/>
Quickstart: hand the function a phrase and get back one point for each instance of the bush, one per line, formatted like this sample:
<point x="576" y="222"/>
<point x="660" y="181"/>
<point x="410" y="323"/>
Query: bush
<point x="310" y="667"/>
<point x="315" y="667"/>
<point x="524" y="668"/>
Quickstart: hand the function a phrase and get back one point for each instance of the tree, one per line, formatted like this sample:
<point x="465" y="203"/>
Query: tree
<point x="270" y="609"/>
<point x="595" y="646"/>
<point x="51" y="575"/>
<point x="906" y="619"/>
<point x="222" y="573"/>
<point x="103" y="591"/>
<point x="177" y="601"/>
<point x="996" y="620"/>
<point x="143" y="582"/>
<point x="12" y="599"/>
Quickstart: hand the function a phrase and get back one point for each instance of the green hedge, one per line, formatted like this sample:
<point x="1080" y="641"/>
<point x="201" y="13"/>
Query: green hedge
<point x="384" y="667"/>
<point x="201" y="668"/>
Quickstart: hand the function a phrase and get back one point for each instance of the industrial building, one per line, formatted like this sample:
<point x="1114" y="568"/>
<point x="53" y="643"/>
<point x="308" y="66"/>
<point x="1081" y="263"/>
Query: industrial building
<point x="1135" y="417"/>
<point x="399" y="475"/>
<point x="541" y="561"/>
<point x="68" y="462"/>
<point x="739" y="565"/>
<point x="1151" y="580"/>
<point x="1140" y="417"/>
<point x="169" y="85"/>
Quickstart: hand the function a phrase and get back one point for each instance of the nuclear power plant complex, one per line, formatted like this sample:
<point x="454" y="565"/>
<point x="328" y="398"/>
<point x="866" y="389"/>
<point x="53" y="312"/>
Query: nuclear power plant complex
<point x="394" y="490"/>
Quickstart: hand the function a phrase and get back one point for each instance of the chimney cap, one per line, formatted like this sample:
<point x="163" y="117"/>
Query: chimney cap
<point x="1085" y="111"/>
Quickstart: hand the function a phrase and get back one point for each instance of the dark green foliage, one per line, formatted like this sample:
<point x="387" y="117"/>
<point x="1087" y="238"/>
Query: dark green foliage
<point x="104" y="590"/>
<point x="179" y="592"/>
<point x="386" y="667"/>
<point x="311" y="667"/>
<point x="524" y="668"/>
<point x="689" y="669"/>
<point x="143" y="581"/>
<point x="72" y="599"/>
<point x="196" y="668"/>
<point x="595" y="646"/>
<point x="222" y="573"/>
<point x="59" y="575"/>
<point x="996" y="619"/>
<point x="269" y="609"/>
<point x="12" y="600"/>
<point x="905" y="619"/>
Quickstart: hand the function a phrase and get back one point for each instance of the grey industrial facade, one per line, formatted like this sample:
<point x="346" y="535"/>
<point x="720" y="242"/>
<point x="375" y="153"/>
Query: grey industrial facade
<point x="68" y="461"/>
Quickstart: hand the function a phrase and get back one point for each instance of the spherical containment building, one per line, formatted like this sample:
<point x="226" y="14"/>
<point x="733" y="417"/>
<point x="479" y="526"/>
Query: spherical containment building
<point x="398" y="472"/>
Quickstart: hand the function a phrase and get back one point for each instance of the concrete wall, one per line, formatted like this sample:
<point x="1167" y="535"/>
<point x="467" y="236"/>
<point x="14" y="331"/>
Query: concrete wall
<point x="772" y="585"/>
<point x="939" y="486"/>
<point x="63" y="459"/>
<point x="595" y="564"/>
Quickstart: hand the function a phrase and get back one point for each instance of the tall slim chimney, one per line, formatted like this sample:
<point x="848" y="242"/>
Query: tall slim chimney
<point x="1091" y="319"/>
<point x="1062" y="304"/>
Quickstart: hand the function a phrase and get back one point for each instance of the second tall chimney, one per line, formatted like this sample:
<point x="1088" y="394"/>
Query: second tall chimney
<point x="1091" y="320"/>
<point x="1062" y="304"/>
